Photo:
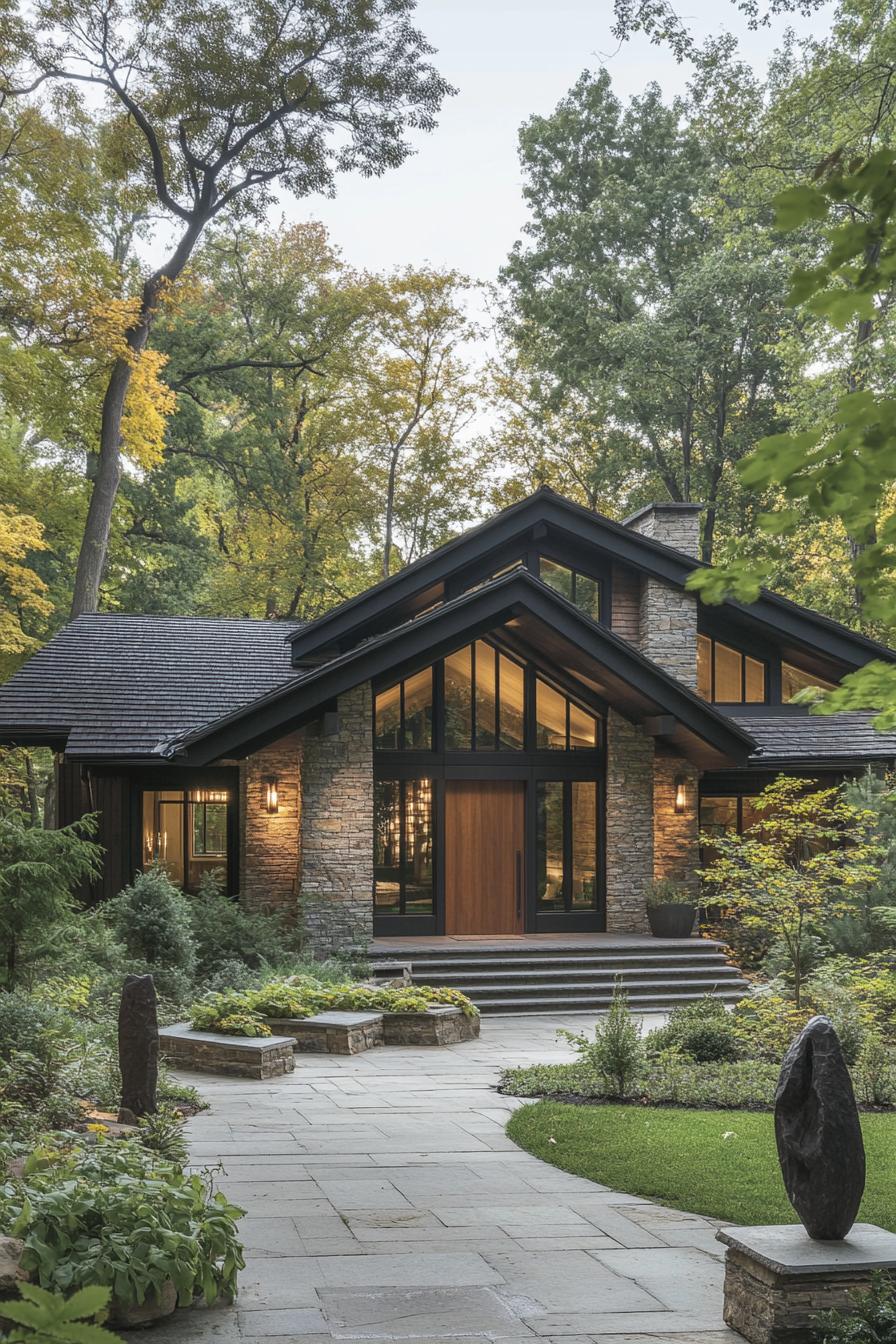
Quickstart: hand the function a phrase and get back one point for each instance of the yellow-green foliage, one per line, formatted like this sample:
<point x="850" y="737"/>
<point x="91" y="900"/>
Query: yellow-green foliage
<point x="243" y="1012"/>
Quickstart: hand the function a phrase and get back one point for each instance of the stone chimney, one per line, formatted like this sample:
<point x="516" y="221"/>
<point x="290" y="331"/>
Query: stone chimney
<point x="674" y="524"/>
<point x="668" y="616"/>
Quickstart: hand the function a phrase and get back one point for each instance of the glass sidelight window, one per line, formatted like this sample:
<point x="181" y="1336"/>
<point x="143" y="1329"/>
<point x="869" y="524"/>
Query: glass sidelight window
<point x="185" y="832"/>
<point x="403" y="847"/>
<point x="566" y="839"/>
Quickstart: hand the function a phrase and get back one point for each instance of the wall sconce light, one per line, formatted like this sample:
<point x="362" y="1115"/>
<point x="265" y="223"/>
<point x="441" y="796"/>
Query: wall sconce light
<point x="681" y="794"/>
<point x="272" y="794"/>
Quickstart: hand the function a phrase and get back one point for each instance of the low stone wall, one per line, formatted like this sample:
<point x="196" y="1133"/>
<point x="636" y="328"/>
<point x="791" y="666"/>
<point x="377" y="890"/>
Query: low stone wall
<point x="441" y="1025"/>
<point x="210" y="1052"/>
<point x="333" y="1033"/>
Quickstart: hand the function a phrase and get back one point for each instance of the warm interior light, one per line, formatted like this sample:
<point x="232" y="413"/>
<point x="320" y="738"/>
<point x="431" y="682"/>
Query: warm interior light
<point x="272" y="796"/>
<point x="681" y="796"/>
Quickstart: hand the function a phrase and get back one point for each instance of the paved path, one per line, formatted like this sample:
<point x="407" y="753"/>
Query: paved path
<point x="385" y="1202"/>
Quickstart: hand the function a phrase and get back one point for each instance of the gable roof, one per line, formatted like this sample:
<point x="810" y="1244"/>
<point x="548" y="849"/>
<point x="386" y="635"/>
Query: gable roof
<point x="118" y="686"/>
<point x="391" y="599"/>
<point x="517" y="601"/>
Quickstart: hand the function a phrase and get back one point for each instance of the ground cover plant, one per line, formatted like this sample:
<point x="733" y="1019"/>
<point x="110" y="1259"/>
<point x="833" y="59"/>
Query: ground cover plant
<point x="243" y="1012"/>
<point x="719" y="1163"/>
<point x="110" y="1212"/>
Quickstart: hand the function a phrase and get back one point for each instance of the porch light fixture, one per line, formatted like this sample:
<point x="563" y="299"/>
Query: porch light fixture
<point x="681" y="795"/>
<point x="272" y="794"/>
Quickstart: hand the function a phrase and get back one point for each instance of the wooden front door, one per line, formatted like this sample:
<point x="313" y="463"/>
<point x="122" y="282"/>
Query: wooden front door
<point x="484" y="833"/>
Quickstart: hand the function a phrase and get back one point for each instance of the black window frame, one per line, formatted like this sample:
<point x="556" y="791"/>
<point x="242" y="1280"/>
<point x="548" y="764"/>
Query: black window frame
<point x="224" y="779"/>
<point x="597" y="575"/>
<point x="414" y="917"/>
<point x="744" y="654"/>
<point x="566" y="785"/>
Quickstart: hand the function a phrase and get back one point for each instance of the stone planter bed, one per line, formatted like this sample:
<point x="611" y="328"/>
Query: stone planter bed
<point x="331" y="1033"/>
<point x="439" y="1025"/>
<point x="334" y="1033"/>
<point x="213" y="1052"/>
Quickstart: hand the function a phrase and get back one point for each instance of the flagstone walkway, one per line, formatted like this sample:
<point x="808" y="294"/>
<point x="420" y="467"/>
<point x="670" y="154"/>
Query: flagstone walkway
<point x="385" y="1202"/>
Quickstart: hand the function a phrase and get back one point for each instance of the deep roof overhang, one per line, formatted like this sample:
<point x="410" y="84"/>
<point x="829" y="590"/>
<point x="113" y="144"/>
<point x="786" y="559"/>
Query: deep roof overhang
<point x="524" y="610"/>
<point x="389" y="600"/>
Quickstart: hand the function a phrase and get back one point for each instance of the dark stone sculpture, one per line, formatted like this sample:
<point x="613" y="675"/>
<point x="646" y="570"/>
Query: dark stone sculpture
<point x="138" y="1048"/>
<point x="818" y="1134"/>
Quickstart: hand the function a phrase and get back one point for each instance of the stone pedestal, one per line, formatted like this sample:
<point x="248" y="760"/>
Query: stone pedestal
<point x="777" y="1279"/>
<point x="334" y="1033"/>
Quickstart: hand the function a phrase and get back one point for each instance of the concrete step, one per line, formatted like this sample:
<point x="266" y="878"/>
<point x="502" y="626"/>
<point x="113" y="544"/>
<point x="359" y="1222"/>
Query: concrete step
<point x="567" y="975"/>
<point x="656" y="974"/>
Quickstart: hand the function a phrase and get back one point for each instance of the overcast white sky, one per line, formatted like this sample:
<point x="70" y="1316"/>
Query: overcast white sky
<point x="458" y="202"/>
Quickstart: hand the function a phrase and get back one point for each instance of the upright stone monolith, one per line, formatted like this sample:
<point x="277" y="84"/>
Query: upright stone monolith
<point x="818" y="1133"/>
<point x="138" y="1048"/>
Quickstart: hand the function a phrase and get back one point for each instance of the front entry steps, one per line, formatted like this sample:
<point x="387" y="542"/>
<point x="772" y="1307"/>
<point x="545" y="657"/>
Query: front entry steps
<point x="533" y="976"/>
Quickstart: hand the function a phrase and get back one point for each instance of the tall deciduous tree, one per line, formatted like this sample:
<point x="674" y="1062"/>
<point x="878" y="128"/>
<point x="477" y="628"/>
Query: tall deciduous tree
<point x="224" y="104"/>
<point x="644" y="294"/>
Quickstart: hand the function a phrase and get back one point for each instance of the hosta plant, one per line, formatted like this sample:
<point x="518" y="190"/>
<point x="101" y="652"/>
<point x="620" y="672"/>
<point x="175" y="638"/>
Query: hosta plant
<point x="243" y="1012"/>
<point x="111" y="1213"/>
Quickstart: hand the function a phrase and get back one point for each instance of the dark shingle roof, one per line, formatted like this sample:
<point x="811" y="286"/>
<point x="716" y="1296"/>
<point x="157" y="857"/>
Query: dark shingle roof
<point x="121" y="685"/>
<point x="796" y="737"/>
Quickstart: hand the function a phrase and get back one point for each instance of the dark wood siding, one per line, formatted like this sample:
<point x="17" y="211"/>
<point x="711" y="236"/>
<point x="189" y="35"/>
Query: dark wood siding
<point x="80" y="791"/>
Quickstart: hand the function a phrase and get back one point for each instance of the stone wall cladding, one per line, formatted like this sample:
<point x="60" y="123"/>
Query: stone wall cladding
<point x="270" y="843"/>
<point x="673" y="524"/>
<point x="629" y="824"/>
<point x="675" y="835"/>
<point x="337" y="829"/>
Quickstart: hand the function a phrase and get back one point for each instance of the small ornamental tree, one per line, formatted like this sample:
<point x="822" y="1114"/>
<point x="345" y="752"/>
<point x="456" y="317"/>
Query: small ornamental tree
<point x="801" y="863"/>
<point x="39" y="871"/>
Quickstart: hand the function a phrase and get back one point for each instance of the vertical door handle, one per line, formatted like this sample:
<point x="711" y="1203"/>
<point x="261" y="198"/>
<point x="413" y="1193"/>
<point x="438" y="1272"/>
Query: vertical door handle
<point x="519" y="884"/>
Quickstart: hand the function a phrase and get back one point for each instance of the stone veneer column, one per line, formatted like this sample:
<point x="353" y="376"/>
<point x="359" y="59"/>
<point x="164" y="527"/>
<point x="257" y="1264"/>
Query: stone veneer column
<point x="667" y="634"/>
<point x="337" y="829"/>
<point x="675" y="835"/>
<point x="628" y="843"/>
<point x="270" y="842"/>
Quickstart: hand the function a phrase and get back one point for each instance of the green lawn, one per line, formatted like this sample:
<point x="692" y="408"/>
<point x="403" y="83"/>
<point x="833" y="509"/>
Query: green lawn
<point x="720" y="1163"/>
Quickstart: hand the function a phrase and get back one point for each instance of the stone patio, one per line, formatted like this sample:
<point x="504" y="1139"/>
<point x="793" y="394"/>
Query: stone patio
<point x="385" y="1202"/>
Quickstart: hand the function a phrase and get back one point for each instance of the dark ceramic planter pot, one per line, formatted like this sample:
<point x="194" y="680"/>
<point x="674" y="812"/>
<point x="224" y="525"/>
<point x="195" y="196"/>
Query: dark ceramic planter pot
<point x="671" y="921"/>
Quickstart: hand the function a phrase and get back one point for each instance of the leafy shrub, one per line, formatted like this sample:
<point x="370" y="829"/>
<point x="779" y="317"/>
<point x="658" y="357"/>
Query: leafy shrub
<point x="225" y="932"/>
<point x="41" y="1317"/>
<point x="114" y="1214"/>
<point x="231" y="975"/>
<point x="765" y="1025"/>
<point x="152" y="919"/>
<point x="703" y="1030"/>
<point x="235" y="1012"/>
<point x="36" y="1094"/>
<point x="616" y="1053"/>
<point x="870" y="1318"/>
<point x="31" y="1026"/>
<point x="874" y="1074"/>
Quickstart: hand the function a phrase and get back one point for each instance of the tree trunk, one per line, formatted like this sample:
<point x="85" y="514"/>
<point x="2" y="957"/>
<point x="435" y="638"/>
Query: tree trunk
<point x="107" y="463"/>
<point x="390" y="511"/>
<point x="33" y="802"/>
<point x="95" y="542"/>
